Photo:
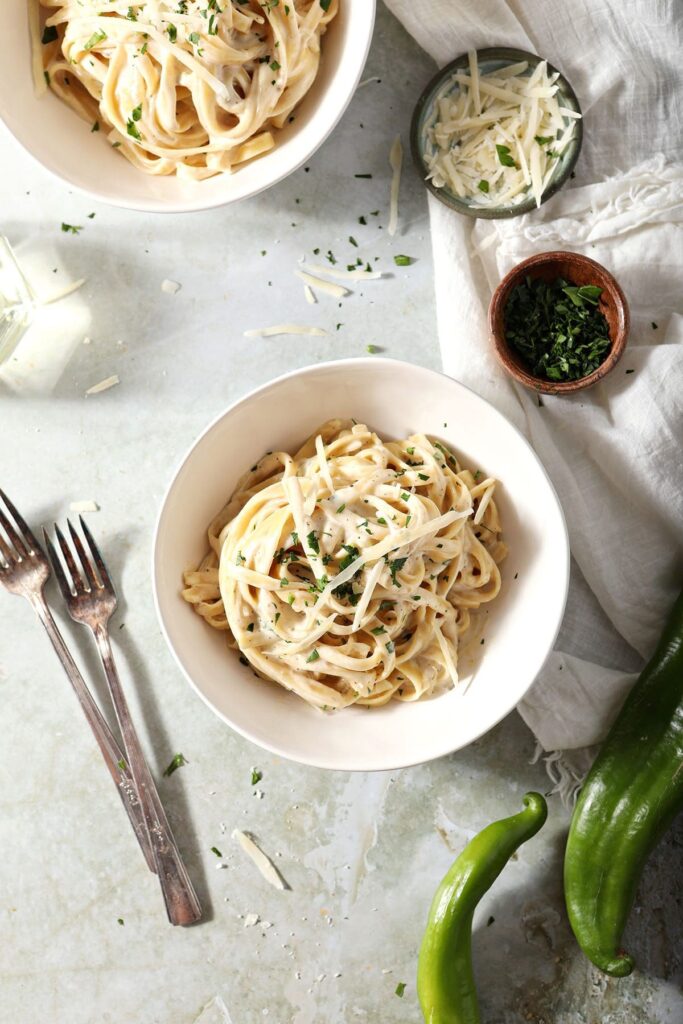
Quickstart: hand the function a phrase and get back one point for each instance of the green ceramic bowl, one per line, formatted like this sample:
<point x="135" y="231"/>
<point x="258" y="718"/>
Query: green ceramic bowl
<point x="424" y="117"/>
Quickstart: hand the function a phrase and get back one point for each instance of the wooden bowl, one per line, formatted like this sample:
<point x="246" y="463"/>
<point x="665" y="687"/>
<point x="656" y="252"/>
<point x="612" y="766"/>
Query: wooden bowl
<point x="577" y="270"/>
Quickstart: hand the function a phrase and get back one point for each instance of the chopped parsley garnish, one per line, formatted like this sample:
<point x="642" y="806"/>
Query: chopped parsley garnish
<point x="95" y="38"/>
<point x="423" y="476"/>
<point x="71" y="229"/>
<point x="240" y="560"/>
<point x="330" y="257"/>
<point x="362" y="175"/>
<point x="177" y="762"/>
<point x="250" y="627"/>
<point x="214" y="849"/>
<point x="172" y="32"/>
<point x="132" y="14"/>
<point x="352" y="554"/>
<point x="119" y="920"/>
<point x="194" y="38"/>
<point x="341" y="508"/>
<point x="504" y="156"/>
<point x="49" y="34"/>
<point x="400" y="989"/>
<point x="483" y="185"/>
<point x="362" y="220"/>
<point x="325" y="4"/>
<point x="313" y="656"/>
<point x="395" y="566"/>
<point x="385" y="605"/>
<point x="377" y="630"/>
<point x="353" y="241"/>
<point x="544" y="140"/>
<point x="403" y="261"/>
<point x="295" y="537"/>
<point x="404" y="496"/>
<point x="122" y="765"/>
<point x="381" y="520"/>
<point x="371" y="349"/>
<point x="312" y="541"/>
<point x="256" y="776"/>
<point x="274" y="66"/>
<point x="390" y="646"/>
<point x="95" y="126"/>
<point x="653" y="325"/>
<point x="557" y="328"/>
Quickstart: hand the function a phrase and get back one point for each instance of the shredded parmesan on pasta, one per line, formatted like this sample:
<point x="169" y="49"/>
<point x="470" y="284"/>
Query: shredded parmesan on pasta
<point x="191" y="88"/>
<point x="347" y="571"/>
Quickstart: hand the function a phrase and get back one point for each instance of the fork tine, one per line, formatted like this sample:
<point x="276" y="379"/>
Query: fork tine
<point x="21" y="523"/>
<point x="57" y="566"/>
<point x="99" y="561"/>
<point x="76" y="578"/>
<point x="8" y="555"/>
<point x="83" y="558"/>
<point x="14" y="537"/>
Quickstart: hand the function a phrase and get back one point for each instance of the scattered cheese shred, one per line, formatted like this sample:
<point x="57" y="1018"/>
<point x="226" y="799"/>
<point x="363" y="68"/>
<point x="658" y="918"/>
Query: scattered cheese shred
<point x="345" y="275"/>
<point x="309" y="295"/>
<point x="84" y="506"/>
<point x="62" y="293"/>
<point x="395" y="162"/>
<point x="263" y="863"/>
<point x="170" y="287"/>
<point x="250" y="920"/>
<point x="336" y="290"/>
<point x="498" y="137"/>
<point x="104" y="385"/>
<point x="271" y="332"/>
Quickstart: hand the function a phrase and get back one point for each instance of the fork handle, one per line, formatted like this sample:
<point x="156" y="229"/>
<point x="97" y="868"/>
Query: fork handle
<point x="182" y="904"/>
<point x="111" y="753"/>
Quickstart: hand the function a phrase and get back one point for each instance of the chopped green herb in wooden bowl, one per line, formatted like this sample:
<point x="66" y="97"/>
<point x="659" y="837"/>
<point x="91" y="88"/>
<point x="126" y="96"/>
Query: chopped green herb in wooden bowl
<point x="559" y="322"/>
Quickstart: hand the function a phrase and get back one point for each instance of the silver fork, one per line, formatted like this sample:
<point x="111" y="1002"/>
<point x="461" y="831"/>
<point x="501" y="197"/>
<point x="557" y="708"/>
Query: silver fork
<point x="91" y="600"/>
<point x="24" y="570"/>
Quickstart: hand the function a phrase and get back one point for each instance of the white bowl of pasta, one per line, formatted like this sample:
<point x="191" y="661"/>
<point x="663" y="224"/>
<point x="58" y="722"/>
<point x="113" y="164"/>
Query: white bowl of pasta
<point x="386" y="591"/>
<point x="174" y="107"/>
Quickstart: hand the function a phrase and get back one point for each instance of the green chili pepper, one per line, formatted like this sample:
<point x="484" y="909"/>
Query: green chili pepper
<point x="445" y="983"/>
<point x="630" y="797"/>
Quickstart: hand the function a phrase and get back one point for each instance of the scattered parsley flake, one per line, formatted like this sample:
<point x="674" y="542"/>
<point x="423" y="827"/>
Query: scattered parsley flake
<point x="49" y="34"/>
<point x="176" y="762"/>
<point x="172" y="32"/>
<point x="313" y="656"/>
<point x="403" y="261"/>
<point x="119" y="920"/>
<point x="400" y="989"/>
<point x="362" y="175"/>
<point x="214" y="849"/>
<point x="71" y="229"/>
<point x="95" y="126"/>
<point x="483" y="185"/>
<point x="256" y="776"/>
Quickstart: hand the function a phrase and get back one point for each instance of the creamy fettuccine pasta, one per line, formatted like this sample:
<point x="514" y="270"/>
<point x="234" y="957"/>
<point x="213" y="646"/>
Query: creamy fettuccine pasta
<point x="191" y="87"/>
<point x="348" y="571"/>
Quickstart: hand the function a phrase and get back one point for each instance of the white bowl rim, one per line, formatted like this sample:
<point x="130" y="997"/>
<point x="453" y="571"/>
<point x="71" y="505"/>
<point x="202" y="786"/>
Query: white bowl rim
<point x="320" y="762"/>
<point x="180" y="206"/>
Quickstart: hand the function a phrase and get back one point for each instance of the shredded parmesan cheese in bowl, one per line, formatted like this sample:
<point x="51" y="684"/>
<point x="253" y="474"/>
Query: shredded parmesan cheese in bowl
<point x="496" y="133"/>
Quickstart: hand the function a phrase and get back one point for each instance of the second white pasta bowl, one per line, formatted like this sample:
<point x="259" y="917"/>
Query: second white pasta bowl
<point x="65" y="145"/>
<point x="395" y="399"/>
